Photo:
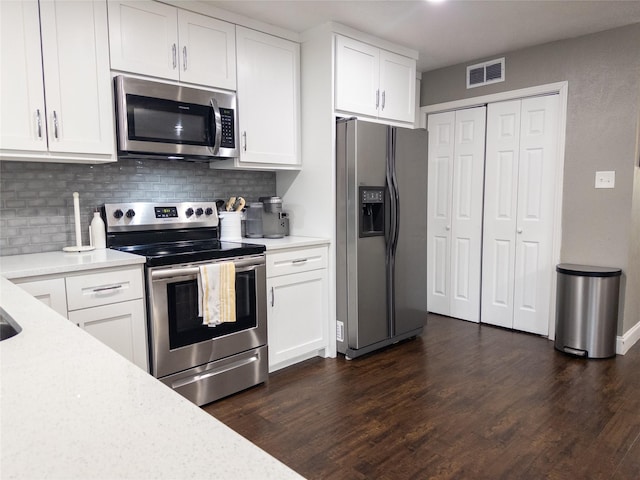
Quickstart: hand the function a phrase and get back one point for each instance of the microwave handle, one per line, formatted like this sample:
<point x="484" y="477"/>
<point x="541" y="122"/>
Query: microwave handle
<point x="218" y="121"/>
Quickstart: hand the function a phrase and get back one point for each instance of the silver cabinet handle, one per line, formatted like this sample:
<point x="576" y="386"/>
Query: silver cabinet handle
<point x="244" y="141"/>
<point x="184" y="58"/>
<point x="55" y="124"/>
<point x="299" y="261"/>
<point x="106" y="289"/>
<point x="173" y="51"/>
<point x="383" y="95"/>
<point x="273" y="297"/>
<point x="377" y="99"/>
<point x="39" y="123"/>
<point x="519" y="230"/>
<point x="448" y="227"/>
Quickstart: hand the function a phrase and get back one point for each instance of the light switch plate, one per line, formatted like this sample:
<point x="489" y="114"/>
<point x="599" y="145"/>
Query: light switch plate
<point x="605" y="179"/>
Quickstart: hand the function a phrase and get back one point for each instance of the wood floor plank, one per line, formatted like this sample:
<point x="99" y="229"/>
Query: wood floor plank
<point x="461" y="401"/>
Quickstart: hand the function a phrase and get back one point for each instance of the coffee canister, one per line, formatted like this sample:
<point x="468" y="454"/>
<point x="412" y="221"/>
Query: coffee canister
<point x="253" y="220"/>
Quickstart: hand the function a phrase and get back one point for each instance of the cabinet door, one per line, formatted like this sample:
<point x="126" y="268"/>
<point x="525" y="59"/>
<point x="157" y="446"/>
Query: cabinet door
<point x="143" y="38"/>
<point x="397" y="87"/>
<point x="120" y="326"/>
<point x="75" y="50"/>
<point x="22" y="113"/>
<point x="207" y="50"/>
<point x="357" y="77"/>
<point x="50" y="292"/>
<point x="297" y="314"/>
<point x="268" y="98"/>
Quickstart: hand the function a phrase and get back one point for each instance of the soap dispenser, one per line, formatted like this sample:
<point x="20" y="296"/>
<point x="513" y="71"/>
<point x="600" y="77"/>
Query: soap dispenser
<point x="97" y="234"/>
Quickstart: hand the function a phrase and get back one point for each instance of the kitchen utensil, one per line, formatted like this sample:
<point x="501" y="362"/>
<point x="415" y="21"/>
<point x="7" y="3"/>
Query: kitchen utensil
<point x="220" y="204"/>
<point x="230" y="204"/>
<point x="240" y="203"/>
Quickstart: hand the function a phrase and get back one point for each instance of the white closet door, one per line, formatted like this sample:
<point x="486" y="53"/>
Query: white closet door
<point x="534" y="229"/>
<point x="466" y="213"/>
<point x="519" y="203"/>
<point x="441" y="128"/>
<point x="500" y="202"/>
<point x="454" y="212"/>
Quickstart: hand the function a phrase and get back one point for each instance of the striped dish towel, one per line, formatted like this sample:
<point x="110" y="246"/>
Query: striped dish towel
<point x="217" y="293"/>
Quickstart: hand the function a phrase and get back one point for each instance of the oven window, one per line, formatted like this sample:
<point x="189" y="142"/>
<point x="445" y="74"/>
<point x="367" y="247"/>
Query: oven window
<point x="186" y="328"/>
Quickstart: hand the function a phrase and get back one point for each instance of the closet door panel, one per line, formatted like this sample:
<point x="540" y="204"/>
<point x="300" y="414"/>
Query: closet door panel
<point x="535" y="209"/>
<point x="466" y="221"/>
<point x="500" y="207"/>
<point x="439" y="182"/>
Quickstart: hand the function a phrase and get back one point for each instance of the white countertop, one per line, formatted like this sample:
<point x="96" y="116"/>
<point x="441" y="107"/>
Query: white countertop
<point x="287" y="242"/>
<point x="48" y="263"/>
<point x="70" y="407"/>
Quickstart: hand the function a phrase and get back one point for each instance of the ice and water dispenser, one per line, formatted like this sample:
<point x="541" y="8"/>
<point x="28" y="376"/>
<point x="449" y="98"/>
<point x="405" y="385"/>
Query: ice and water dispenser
<point x="371" y="211"/>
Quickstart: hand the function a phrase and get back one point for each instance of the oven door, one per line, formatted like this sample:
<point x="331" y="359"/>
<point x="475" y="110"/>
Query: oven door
<point x="179" y="340"/>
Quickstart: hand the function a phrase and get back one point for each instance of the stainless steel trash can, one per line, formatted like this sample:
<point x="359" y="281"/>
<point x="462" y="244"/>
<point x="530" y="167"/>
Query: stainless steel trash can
<point x="587" y="310"/>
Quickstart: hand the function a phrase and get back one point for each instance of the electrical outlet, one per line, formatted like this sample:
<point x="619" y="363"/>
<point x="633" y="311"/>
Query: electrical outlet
<point x="605" y="179"/>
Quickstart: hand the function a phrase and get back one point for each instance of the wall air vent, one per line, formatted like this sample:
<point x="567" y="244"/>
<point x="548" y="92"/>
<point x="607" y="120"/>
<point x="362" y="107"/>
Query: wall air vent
<point x="485" y="73"/>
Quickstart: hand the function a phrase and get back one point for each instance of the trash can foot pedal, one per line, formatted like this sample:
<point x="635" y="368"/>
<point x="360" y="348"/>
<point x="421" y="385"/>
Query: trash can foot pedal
<point x="575" y="351"/>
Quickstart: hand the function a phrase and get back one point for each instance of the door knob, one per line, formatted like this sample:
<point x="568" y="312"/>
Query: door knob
<point x="448" y="227"/>
<point x="519" y="230"/>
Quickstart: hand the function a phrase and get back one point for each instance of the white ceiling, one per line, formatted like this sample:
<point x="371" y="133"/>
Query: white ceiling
<point x="451" y="32"/>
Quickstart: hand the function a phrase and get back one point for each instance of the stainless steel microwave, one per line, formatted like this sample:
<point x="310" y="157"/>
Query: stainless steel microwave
<point x="172" y="121"/>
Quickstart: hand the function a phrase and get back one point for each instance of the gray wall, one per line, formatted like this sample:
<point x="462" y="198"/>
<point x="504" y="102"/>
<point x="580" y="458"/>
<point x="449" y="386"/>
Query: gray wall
<point x="36" y="202"/>
<point x="603" y="74"/>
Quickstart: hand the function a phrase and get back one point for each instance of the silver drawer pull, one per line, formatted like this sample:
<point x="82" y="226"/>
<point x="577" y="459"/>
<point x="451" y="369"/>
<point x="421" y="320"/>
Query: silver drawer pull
<point x="106" y="289"/>
<point x="299" y="261"/>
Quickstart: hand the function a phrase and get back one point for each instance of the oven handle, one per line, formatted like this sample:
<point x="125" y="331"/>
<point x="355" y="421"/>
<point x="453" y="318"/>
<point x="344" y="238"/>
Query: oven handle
<point x="241" y="266"/>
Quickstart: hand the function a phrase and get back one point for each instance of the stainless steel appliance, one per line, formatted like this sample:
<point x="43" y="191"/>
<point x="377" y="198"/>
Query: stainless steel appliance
<point x="381" y="239"/>
<point x="171" y="121"/>
<point x="275" y="223"/>
<point x="201" y="363"/>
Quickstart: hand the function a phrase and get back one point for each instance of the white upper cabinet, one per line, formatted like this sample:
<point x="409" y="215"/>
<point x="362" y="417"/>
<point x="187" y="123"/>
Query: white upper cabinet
<point x="374" y="82"/>
<point x="22" y="107"/>
<point x="71" y="71"/>
<point x="159" y="40"/>
<point x="268" y="99"/>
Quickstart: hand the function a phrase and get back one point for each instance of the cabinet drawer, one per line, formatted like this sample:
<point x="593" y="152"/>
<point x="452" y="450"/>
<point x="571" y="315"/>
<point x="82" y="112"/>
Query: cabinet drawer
<point x="102" y="288"/>
<point x="296" y="261"/>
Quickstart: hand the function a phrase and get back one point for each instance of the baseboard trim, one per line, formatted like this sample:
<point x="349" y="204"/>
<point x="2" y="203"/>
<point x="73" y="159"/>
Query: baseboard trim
<point x="626" y="341"/>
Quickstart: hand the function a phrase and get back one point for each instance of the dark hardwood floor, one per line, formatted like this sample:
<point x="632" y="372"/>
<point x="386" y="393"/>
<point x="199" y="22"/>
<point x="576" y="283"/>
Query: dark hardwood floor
<point x="462" y="401"/>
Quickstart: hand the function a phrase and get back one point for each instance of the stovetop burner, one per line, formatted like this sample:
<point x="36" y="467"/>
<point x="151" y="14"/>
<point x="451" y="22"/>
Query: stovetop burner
<point x="170" y="233"/>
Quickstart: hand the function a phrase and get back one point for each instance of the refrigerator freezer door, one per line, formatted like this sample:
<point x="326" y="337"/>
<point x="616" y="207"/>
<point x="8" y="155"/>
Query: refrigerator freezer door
<point x="411" y="254"/>
<point x="361" y="285"/>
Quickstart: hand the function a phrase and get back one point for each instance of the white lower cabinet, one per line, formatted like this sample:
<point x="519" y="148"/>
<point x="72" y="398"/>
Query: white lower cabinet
<point x="107" y="303"/>
<point x="51" y="292"/>
<point x="121" y="326"/>
<point x="298" y="305"/>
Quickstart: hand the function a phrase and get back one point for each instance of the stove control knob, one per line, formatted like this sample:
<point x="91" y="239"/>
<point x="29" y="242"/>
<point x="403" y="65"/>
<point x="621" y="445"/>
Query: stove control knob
<point x="118" y="213"/>
<point x="199" y="211"/>
<point x="130" y="213"/>
<point x="189" y="211"/>
<point x="208" y="211"/>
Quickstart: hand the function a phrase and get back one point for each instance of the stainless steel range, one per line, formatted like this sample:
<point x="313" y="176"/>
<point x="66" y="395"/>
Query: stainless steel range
<point x="200" y="362"/>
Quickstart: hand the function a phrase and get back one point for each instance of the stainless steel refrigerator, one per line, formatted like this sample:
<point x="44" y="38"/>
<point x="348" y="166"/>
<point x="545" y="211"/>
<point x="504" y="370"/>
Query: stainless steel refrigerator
<point x="381" y="230"/>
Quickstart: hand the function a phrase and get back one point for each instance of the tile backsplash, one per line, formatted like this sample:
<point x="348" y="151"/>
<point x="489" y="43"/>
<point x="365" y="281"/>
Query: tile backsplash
<point x="36" y="199"/>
